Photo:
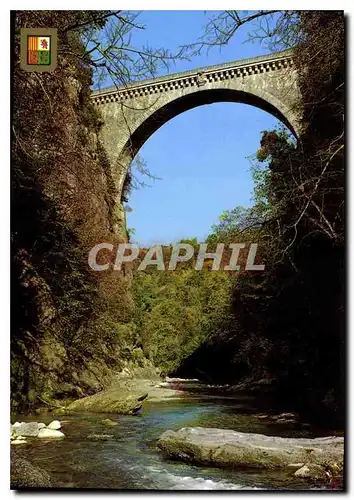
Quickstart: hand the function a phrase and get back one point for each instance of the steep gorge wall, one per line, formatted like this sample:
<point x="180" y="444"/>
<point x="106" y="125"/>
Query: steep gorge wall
<point x="71" y="327"/>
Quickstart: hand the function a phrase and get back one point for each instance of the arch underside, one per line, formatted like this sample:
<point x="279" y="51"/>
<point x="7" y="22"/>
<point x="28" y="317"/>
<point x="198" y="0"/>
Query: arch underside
<point x="193" y="100"/>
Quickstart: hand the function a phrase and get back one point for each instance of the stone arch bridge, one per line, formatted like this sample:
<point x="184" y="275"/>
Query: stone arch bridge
<point x="132" y="113"/>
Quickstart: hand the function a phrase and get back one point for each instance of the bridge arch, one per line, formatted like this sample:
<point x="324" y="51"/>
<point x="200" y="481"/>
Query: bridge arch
<point x="133" y="113"/>
<point x="177" y="106"/>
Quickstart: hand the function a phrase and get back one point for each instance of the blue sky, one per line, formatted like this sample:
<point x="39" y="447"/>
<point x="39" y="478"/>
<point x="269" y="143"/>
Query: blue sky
<point x="200" y="155"/>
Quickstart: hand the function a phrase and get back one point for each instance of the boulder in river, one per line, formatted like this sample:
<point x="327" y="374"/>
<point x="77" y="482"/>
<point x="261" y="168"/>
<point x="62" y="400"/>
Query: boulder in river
<point x="108" y="421"/>
<point x="219" y="447"/>
<point x="123" y="397"/>
<point x="117" y="401"/>
<point x="19" y="440"/>
<point x="25" y="475"/>
<point x="28" y="429"/>
<point x="55" y="425"/>
<point x="50" y="434"/>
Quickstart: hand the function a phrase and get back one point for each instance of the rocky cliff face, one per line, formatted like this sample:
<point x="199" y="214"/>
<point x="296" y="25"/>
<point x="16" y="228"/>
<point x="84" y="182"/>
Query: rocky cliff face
<point x="70" y="325"/>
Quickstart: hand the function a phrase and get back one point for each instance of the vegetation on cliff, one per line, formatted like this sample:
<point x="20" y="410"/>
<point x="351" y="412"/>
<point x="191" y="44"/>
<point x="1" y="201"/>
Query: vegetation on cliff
<point x="70" y="326"/>
<point x="286" y="324"/>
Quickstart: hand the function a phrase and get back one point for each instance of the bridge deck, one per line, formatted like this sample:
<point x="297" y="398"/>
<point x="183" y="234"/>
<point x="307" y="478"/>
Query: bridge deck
<point x="239" y="63"/>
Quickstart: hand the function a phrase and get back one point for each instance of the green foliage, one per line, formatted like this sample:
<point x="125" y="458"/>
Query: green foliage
<point x="232" y="223"/>
<point x="130" y="232"/>
<point x="176" y="312"/>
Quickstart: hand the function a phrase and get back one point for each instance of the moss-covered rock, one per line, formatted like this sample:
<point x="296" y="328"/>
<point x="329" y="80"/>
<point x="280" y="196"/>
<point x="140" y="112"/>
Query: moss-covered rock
<point x="113" y="401"/>
<point x="109" y="422"/>
<point x="123" y="397"/>
<point x="25" y="475"/>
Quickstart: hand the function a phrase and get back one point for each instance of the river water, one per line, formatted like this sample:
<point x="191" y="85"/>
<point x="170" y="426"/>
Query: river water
<point x="127" y="458"/>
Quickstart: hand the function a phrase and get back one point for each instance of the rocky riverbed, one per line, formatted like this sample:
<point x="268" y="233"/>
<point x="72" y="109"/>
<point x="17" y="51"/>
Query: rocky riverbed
<point x="20" y="431"/>
<point x="210" y="440"/>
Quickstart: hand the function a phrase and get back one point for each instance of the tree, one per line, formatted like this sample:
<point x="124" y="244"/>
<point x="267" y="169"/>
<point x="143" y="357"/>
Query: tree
<point x="277" y="29"/>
